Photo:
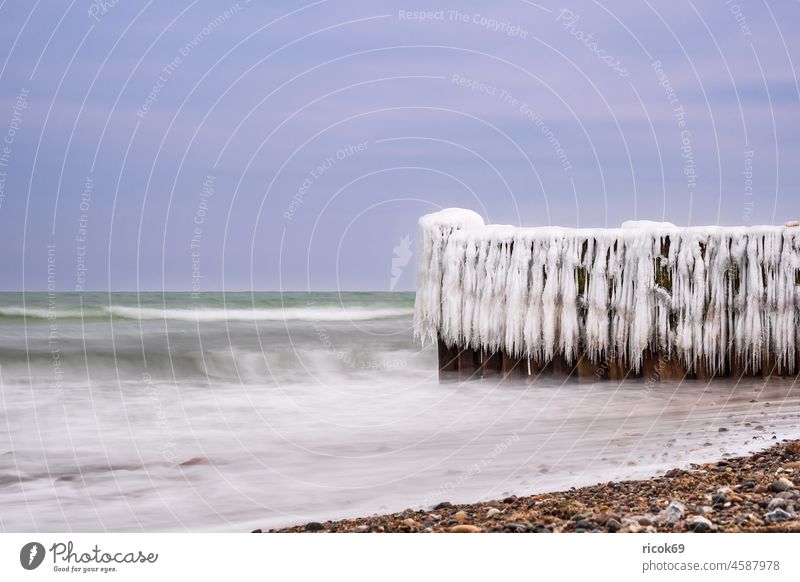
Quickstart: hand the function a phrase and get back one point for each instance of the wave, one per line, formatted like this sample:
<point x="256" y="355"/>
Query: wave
<point x="209" y="314"/>
<point x="47" y="313"/>
<point x="274" y="314"/>
<point x="266" y="306"/>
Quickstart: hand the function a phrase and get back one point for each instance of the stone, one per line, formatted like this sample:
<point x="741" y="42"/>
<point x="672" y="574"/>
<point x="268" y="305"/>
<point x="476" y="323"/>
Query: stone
<point x="465" y="528"/>
<point x="776" y="503"/>
<point x="195" y="461"/>
<point x="700" y="524"/>
<point x="460" y="516"/>
<point x="362" y="529"/>
<point x="782" y="484"/>
<point x="314" y="526"/>
<point x="410" y="522"/>
<point x="777" y="516"/>
<point x="673" y="512"/>
<point x="612" y="525"/>
<point x="492" y="512"/>
<point x="673" y="473"/>
<point x="442" y="505"/>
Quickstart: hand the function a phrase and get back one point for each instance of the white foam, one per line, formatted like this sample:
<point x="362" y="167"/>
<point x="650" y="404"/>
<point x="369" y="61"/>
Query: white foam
<point x="38" y="312"/>
<point x="274" y="314"/>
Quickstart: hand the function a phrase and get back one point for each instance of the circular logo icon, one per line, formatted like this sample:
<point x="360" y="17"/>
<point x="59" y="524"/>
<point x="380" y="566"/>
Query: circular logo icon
<point x="31" y="555"/>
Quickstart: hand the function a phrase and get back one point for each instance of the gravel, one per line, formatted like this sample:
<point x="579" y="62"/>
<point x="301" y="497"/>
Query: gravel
<point x="742" y="494"/>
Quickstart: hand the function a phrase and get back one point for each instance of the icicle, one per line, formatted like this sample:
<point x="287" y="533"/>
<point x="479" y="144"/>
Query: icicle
<point x="706" y="295"/>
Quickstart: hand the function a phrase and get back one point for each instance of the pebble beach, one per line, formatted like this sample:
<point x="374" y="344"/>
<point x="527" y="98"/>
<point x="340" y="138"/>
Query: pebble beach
<point x="753" y="493"/>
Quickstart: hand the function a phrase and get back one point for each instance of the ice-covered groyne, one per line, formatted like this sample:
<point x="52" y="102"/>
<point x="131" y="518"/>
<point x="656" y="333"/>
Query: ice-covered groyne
<point x="646" y="298"/>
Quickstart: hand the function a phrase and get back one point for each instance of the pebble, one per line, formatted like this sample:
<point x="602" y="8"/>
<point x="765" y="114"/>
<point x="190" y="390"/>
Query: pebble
<point x="777" y="516"/>
<point x="782" y="484"/>
<point x="195" y="461"/>
<point x="700" y="524"/>
<point x="314" y="526"/>
<point x="673" y="512"/>
<point x="442" y="505"/>
<point x="776" y="503"/>
<point x="460" y="516"/>
<point x="362" y="529"/>
<point x="465" y="528"/>
<point x="492" y="512"/>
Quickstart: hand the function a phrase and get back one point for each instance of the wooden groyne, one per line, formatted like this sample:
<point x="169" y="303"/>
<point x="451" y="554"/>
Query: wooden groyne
<point x="648" y="300"/>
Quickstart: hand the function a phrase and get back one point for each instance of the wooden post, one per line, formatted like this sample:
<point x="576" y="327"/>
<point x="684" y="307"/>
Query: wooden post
<point x="492" y="364"/>
<point x="673" y="369"/>
<point x="448" y="362"/>
<point x="468" y="364"/>
<point x="514" y="367"/>
<point x="587" y="370"/>
<point x="769" y="365"/>
<point x="616" y="371"/>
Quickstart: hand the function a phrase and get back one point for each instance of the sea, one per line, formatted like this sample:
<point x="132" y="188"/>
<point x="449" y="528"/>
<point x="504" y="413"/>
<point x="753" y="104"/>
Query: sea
<point x="236" y="411"/>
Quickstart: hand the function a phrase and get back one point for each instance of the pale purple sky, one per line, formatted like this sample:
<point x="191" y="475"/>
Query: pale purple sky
<point x="322" y="131"/>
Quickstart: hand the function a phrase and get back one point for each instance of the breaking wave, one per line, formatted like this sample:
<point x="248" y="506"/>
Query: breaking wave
<point x="204" y="314"/>
<point x="272" y="314"/>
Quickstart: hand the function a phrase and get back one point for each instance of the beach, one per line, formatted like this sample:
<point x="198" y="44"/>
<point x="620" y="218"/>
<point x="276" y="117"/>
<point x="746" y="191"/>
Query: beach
<point x="239" y="411"/>
<point x="753" y="493"/>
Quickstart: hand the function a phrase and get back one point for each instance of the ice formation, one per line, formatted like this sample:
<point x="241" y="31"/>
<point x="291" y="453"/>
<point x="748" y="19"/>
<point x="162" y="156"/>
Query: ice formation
<point x="706" y="294"/>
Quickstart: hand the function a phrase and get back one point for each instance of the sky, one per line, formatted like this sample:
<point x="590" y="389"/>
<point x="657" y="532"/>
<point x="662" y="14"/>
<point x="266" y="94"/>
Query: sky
<point x="209" y="146"/>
